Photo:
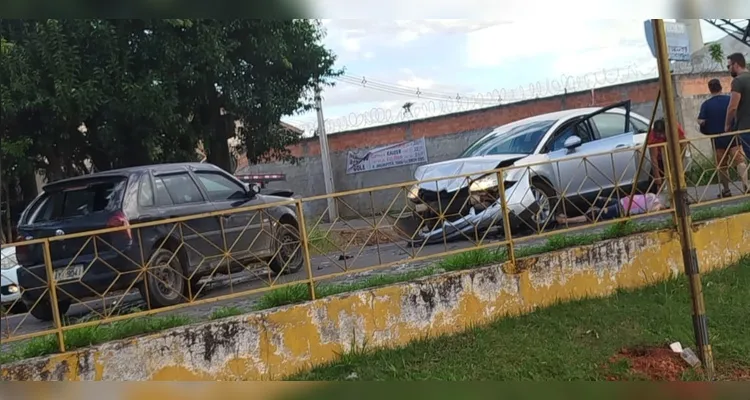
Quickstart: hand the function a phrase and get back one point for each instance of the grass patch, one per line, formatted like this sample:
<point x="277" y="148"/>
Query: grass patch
<point x="225" y="312"/>
<point x="92" y="335"/>
<point x="570" y="341"/>
<point x="707" y="213"/>
<point x="474" y="258"/>
<point x="488" y="256"/>
<point x="320" y="242"/>
<point x="703" y="173"/>
<point x="374" y="281"/>
<point x="299" y="293"/>
<point x="291" y="294"/>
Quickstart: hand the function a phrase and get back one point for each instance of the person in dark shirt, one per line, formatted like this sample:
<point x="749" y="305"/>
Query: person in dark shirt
<point x="711" y="119"/>
<point x="738" y="112"/>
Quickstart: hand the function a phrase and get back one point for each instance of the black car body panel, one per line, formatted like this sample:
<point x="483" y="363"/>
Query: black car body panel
<point x="115" y="260"/>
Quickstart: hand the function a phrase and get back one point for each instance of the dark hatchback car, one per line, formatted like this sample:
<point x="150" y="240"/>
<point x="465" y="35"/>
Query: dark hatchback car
<point x="178" y="254"/>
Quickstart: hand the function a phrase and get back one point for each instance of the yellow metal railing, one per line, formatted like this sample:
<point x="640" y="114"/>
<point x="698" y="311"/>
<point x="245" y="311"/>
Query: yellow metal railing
<point x="83" y="279"/>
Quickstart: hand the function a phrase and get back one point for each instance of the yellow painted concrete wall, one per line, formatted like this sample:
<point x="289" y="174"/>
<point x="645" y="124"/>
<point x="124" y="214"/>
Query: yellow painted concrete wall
<point x="279" y="342"/>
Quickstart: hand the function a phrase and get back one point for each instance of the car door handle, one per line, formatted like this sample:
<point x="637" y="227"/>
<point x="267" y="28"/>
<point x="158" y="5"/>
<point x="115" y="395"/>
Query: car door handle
<point x="619" y="146"/>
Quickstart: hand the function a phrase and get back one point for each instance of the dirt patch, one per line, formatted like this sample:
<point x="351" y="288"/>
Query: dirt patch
<point x="652" y="363"/>
<point x="739" y="374"/>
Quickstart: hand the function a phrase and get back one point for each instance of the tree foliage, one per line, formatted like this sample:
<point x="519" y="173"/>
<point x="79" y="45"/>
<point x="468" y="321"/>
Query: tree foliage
<point x="716" y="52"/>
<point x="149" y="91"/>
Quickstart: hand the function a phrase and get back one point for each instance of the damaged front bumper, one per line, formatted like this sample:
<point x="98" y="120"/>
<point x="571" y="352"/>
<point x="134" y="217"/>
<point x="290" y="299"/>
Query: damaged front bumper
<point x="521" y="209"/>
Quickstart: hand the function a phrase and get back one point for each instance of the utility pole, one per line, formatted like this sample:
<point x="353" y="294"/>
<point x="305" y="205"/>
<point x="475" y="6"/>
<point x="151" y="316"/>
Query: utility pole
<point x="325" y="157"/>
<point x="679" y="194"/>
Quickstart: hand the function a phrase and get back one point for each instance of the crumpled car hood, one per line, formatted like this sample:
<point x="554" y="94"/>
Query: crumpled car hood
<point x="477" y="166"/>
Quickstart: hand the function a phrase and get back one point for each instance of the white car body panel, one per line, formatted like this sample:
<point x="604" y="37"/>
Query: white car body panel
<point x="474" y="165"/>
<point x="610" y="161"/>
<point x="9" y="277"/>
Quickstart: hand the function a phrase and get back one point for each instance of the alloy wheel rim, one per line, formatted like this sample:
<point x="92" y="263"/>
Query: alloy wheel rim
<point x="542" y="215"/>
<point x="289" y="249"/>
<point x="167" y="279"/>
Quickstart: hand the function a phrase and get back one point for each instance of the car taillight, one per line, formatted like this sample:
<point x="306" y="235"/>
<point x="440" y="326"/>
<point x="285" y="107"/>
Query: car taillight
<point x="119" y="219"/>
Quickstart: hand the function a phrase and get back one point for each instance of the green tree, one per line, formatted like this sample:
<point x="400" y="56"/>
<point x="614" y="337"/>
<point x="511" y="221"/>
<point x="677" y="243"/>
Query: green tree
<point x="716" y="52"/>
<point x="149" y="91"/>
<point x="250" y="71"/>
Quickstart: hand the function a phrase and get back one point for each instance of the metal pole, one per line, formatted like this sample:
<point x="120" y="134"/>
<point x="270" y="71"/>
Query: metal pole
<point x="325" y="158"/>
<point x="682" y="207"/>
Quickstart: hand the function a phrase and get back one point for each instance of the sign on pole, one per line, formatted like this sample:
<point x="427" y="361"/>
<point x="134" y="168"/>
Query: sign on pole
<point x="678" y="40"/>
<point x="395" y="155"/>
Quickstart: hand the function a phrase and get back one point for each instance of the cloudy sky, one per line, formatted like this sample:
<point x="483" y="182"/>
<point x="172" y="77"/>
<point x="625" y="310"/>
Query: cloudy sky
<point x="451" y="65"/>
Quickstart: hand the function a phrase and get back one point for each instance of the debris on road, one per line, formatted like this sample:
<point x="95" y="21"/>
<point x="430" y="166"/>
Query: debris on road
<point x="687" y="354"/>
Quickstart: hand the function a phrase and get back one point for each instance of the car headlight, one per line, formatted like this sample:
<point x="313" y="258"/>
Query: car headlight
<point x="413" y="192"/>
<point x="8" y="262"/>
<point x="484" y="183"/>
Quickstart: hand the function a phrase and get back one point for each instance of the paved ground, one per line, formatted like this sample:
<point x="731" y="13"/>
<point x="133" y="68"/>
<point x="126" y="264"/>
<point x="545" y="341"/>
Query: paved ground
<point x="322" y="265"/>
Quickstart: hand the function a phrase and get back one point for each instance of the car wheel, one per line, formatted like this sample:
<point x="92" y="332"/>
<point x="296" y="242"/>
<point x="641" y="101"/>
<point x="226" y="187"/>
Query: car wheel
<point x="546" y="200"/>
<point x="288" y="257"/>
<point x="165" y="280"/>
<point x="18" y="307"/>
<point x="43" y="310"/>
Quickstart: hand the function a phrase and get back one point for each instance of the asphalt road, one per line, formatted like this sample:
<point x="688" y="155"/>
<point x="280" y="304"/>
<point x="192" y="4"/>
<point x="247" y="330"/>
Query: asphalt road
<point x="398" y="253"/>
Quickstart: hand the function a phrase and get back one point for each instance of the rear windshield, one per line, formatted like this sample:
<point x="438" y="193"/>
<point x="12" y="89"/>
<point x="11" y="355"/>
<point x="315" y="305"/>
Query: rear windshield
<point x="78" y="199"/>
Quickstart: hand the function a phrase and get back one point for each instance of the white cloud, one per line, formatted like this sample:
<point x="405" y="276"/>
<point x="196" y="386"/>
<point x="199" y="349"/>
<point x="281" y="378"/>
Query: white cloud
<point x="418" y="83"/>
<point x="505" y="44"/>
<point x="351" y="44"/>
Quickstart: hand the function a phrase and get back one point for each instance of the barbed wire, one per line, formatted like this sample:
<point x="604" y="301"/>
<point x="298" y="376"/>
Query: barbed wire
<point x="427" y="103"/>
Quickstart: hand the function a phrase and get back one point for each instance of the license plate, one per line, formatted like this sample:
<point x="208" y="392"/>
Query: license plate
<point x="69" y="273"/>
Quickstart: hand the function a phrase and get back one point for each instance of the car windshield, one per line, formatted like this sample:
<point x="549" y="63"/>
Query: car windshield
<point x="513" y="138"/>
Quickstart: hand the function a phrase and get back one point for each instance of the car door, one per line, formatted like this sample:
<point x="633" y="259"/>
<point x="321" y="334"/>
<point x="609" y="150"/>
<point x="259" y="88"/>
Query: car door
<point x="594" y="176"/>
<point x="613" y="137"/>
<point x="568" y="169"/>
<point x="244" y="233"/>
<point x="178" y="195"/>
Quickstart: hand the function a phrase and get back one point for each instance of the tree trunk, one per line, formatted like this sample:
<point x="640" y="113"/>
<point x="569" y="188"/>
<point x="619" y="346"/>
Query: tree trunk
<point x="54" y="168"/>
<point x="29" y="188"/>
<point x="217" y="148"/>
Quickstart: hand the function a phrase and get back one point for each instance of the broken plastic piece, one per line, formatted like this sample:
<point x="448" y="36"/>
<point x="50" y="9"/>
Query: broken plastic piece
<point x="676" y="347"/>
<point x="690" y="358"/>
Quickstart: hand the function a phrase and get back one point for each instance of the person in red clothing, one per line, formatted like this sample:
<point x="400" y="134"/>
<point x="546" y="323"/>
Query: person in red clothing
<point x="658" y="135"/>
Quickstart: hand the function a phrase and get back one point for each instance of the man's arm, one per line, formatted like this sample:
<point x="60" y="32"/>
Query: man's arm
<point x="734" y="102"/>
<point x="702" y="114"/>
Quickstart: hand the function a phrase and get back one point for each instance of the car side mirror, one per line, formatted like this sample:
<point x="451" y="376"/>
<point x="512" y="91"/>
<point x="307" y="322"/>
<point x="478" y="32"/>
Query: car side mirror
<point x="252" y="189"/>
<point x="572" y="143"/>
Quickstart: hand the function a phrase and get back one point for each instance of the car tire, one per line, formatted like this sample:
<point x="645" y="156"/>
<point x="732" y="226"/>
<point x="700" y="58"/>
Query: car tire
<point x="196" y="289"/>
<point x="288" y="240"/>
<point x="552" y="199"/>
<point x="43" y="310"/>
<point x="18" y="307"/>
<point x="165" y="280"/>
